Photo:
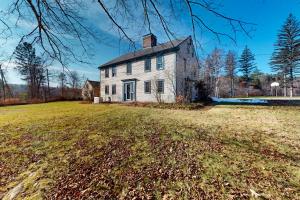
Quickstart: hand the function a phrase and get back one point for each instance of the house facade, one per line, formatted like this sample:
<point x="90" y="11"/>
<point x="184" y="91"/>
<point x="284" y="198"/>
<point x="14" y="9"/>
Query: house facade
<point x="156" y="73"/>
<point x="90" y="90"/>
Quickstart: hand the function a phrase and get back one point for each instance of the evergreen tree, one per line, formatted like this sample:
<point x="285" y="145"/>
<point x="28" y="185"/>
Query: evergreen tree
<point x="230" y="69"/>
<point x="247" y="65"/>
<point x="286" y="56"/>
<point x="256" y="77"/>
<point x="30" y="67"/>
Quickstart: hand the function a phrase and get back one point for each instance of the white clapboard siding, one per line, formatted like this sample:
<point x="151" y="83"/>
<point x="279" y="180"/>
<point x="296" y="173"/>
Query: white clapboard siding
<point x="139" y="73"/>
<point x="173" y="75"/>
<point x="187" y="52"/>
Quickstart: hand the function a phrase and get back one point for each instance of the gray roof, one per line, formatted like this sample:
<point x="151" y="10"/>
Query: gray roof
<point x="94" y="83"/>
<point x="160" y="48"/>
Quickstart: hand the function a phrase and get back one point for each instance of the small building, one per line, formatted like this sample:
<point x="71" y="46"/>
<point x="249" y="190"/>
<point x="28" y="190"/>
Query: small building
<point x="90" y="90"/>
<point x="156" y="73"/>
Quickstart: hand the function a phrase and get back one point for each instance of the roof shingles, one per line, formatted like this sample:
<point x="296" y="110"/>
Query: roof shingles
<point x="165" y="47"/>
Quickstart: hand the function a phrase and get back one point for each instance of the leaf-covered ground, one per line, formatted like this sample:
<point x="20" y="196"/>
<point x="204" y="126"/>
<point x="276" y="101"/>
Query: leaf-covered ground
<point x="69" y="150"/>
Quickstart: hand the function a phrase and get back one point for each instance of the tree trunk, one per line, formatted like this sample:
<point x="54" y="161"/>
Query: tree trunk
<point x="284" y="85"/>
<point x="232" y="87"/>
<point x="291" y="91"/>
<point x="48" y="85"/>
<point x="291" y="82"/>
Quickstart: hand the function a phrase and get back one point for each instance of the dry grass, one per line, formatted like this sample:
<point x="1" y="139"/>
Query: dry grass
<point x="79" y="151"/>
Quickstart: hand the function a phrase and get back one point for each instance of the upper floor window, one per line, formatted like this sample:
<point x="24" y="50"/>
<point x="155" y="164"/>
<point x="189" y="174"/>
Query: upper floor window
<point x="148" y="65"/>
<point x="147" y="87"/>
<point x="129" y="68"/>
<point x="160" y="86"/>
<point x="114" y="71"/>
<point x="184" y="64"/>
<point x="160" y="62"/>
<point x="106" y="89"/>
<point x="113" y="89"/>
<point x="106" y="72"/>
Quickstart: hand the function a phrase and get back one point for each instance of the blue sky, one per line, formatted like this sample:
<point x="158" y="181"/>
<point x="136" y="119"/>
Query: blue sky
<point x="269" y="15"/>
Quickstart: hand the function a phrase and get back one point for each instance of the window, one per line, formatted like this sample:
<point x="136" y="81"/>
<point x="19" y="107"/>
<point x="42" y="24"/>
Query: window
<point x="129" y="68"/>
<point x="160" y="86"/>
<point x="113" y="71"/>
<point x="160" y="63"/>
<point x="147" y="87"/>
<point x="106" y="72"/>
<point x="107" y="89"/>
<point x="113" y="89"/>
<point x="184" y="64"/>
<point x="148" y="65"/>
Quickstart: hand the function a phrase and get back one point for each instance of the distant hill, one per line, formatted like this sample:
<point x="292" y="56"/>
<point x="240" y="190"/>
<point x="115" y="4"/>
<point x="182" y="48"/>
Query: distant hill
<point x="18" y="88"/>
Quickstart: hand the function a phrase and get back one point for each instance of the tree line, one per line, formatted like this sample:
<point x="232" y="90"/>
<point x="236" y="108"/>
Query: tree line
<point x="36" y="71"/>
<point x="230" y="75"/>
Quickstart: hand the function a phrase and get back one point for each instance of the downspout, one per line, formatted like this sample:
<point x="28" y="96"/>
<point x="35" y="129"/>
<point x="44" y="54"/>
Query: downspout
<point x="175" y="77"/>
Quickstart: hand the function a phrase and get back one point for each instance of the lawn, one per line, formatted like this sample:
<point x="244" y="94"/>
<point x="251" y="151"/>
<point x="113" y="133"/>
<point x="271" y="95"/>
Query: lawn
<point x="69" y="150"/>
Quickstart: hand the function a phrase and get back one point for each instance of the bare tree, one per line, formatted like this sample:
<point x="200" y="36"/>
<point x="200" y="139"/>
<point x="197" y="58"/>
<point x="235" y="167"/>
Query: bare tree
<point x="171" y="78"/>
<point x="155" y="90"/>
<point x="74" y="80"/>
<point x="230" y="69"/>
<point x="5" y="90"/>
<point x="62" y="78"/>
<point x="217" y="65"/>
<point x="75" y="83"/>
<point x="57" y="25"/>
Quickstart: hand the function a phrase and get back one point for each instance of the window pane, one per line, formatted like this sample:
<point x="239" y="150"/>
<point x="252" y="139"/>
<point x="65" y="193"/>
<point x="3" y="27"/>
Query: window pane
<point x="147" y="85"/>
<point x="129" y="68"/>
<point x="106" y="73"/>
<point x="106" y="89"/>
<point x="159" y="62"/>
<point x="113" y="89"/>
<point x="160" y="86"/>
<point x="148" y="64"/>
<point x="113" y="71"/>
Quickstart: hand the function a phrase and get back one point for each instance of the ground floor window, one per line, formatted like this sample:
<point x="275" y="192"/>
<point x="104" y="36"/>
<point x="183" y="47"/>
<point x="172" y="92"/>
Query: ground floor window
<point x="113" y="89"/>
<point x="147" y="87"/>
<point x="107" y="90"/>
<point x="160" y="86"/>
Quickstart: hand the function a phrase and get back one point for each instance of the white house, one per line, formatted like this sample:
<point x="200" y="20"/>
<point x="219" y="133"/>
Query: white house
<point x="158" y="72"/>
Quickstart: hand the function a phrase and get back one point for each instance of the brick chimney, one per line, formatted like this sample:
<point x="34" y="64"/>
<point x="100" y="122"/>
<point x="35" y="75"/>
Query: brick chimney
<point x="149" y="40"/>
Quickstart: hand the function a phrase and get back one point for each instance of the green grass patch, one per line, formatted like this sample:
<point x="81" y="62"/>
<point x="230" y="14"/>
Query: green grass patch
<point x="111" y="151"/>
